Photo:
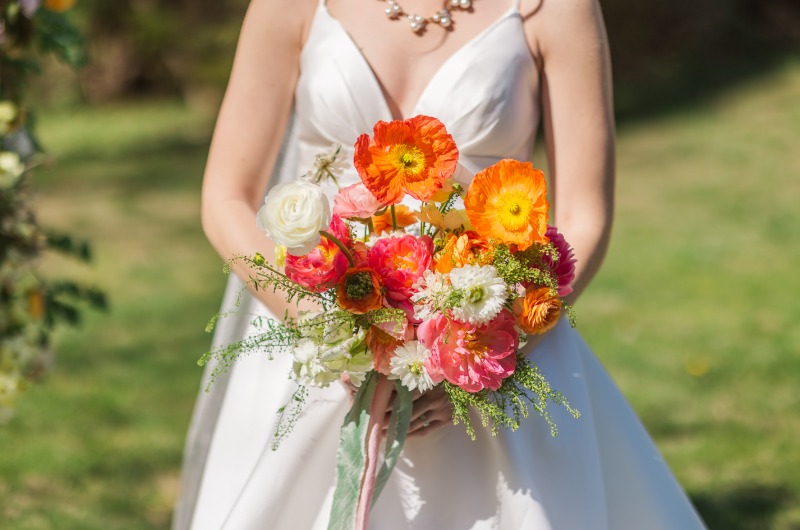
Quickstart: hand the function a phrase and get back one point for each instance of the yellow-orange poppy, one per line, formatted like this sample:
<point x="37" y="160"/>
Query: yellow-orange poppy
<point x="508" y="202"/>
<point x="402" y="213"/>
<point x="465" y="249"/>
<point x="413" y="156"/>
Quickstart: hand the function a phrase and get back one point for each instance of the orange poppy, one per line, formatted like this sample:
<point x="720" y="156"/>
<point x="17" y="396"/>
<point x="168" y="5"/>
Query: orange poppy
<point x="413" y="157"/>
<point x="508" y="202"/>
<point x="402" y="214"/>
<point x="539" y="311"/>
<point x="359" y="291"/>
<point x="59" y="5"/>
<point x="36" y="304"/>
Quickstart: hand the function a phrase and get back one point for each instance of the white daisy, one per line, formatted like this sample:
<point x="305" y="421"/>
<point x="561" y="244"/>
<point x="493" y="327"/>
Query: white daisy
<point x="327" y="165"/>
<point x="408" y="365"/>
<point x="431" y="292"/>
<point x="484" y="293"/>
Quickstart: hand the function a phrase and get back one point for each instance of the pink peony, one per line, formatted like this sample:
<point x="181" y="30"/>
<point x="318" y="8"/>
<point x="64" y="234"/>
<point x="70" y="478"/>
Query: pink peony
<point x="471" y="357"/>
<point x="400" y="261"/>
<point x="323" y="267"/>
<point x="29" y="7"/>
<point x="564" y="268"/>
<point x="355" y="201"/>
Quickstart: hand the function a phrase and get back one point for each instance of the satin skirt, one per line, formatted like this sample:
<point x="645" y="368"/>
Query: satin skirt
<point x="602" y="471"/>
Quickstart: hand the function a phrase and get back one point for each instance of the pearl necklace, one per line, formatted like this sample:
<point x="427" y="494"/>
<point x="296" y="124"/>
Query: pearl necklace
<point x="442" y="17"/>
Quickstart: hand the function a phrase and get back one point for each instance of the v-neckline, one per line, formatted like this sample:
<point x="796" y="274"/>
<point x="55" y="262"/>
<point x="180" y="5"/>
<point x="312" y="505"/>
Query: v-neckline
<point x="436" y="74"/>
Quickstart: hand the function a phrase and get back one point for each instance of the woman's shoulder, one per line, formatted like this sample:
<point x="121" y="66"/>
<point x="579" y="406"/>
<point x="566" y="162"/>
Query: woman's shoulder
<point x="283" y="16"/>
<point x="553" y="23"/>
<point x="555" y="8"/>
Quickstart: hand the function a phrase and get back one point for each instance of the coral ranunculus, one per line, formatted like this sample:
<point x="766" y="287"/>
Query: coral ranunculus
<point x="400" y="261"/>
<point x="323" y="267"/>
<point x="469" y="356"/>
<point x="413" y="157"/>
<point x="403" y="216"/>
<point x="538" y="312"/>
<point x="359" y="291"/>
<point x="508" y="201"/>
<point x="466" y="249"/>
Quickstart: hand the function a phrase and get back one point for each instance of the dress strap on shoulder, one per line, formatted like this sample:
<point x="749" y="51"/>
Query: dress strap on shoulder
<point x="515" y="4"/>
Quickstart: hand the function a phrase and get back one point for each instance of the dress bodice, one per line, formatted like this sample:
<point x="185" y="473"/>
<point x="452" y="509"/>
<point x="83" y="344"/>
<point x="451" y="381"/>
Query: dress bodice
<point x="486" y="93"/>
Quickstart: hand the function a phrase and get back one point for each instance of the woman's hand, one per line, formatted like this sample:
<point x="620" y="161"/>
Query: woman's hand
<point x="432" y="410"/>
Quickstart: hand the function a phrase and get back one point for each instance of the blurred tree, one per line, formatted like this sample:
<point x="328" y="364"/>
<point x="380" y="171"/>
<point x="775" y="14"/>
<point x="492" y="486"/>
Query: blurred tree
<point x="159" y="47"/>
<point x="668" y="51"/>
<point x="30" y="305"/>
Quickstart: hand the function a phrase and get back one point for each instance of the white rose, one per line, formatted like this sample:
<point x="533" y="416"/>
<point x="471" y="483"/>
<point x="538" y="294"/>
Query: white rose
<point x="11" y="167"/>
<point x="293" y="214"/>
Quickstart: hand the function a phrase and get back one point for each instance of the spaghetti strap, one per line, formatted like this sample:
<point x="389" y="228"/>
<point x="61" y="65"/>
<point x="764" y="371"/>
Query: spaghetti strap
<point x="515" y="5"/>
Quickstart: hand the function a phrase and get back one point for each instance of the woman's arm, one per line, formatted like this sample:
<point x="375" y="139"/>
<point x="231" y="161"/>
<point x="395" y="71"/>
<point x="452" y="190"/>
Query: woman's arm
<point x="569" y="40"/>
<point x="249" y="130"/>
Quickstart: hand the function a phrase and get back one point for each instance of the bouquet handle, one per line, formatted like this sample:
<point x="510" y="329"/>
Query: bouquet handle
<point x="358" y="479"/>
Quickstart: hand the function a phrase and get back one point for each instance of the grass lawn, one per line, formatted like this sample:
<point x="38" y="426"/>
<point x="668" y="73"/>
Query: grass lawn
<point x="695" y="313"/>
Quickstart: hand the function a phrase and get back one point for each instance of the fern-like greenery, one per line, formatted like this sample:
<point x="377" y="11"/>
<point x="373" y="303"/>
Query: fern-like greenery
<point x="288" y="416"/>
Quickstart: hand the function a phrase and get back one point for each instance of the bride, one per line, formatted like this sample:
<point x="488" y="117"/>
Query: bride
<point x="311" y="73"/>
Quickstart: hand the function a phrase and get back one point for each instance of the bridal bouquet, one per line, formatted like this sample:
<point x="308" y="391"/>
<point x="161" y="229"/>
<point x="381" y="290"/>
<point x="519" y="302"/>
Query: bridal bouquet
<point x="442" y="294"/>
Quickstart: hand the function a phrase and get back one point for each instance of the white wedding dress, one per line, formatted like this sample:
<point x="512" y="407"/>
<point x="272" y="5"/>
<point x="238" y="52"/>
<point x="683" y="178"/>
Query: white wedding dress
<point x="602" y="471"/>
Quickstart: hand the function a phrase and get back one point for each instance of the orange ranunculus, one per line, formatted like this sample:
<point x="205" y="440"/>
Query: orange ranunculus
<point x="383" y="339"/>
<point x="466" y="249"/>
<point x="58" y="5"/>
<point x="402" y="213"/>
<point x="359" y="290"/>
<point x="413" y="156"/>
<point x="538" y="312"/>
<point x="508" y="202"/>
<point x="382" y="346"/>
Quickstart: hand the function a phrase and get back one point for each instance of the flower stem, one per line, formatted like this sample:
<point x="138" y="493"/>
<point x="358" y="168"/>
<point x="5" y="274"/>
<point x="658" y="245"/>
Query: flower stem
<point x="333" y="178"/>
<point x="394" y="218"/>
<point x="335" y="240"/>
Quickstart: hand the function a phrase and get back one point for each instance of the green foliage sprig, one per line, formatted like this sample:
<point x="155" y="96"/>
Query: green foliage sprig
<point x="267" y="277"/>
<point x="506" y="407"/>
<point x="288" y="416"/>
<point x="524" y="266"/>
